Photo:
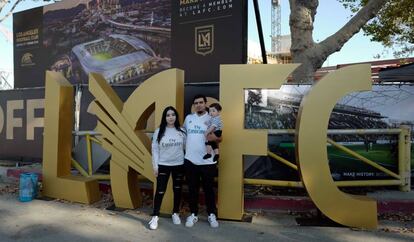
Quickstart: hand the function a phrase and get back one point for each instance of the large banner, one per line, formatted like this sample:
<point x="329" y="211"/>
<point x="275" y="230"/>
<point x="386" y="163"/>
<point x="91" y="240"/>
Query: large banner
<point x="22" y="116"/>
<point x="206" y="34"/>
<point x="127" y="41"/>
<point x="22" y="112"/>
<point x="29" y="55"/>
<point x="22" y="119"/>
<point x="386" y="106"/>
<point x="21" y="124"/>
<point x="124" y="41"/>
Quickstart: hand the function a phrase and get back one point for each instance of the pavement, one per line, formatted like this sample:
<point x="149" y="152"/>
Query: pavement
<point x="58" y="220"/>
<point x="61" y="221"/>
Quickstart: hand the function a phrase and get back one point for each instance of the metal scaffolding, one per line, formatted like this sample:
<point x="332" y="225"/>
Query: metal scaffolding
<point x="276" y="27"/>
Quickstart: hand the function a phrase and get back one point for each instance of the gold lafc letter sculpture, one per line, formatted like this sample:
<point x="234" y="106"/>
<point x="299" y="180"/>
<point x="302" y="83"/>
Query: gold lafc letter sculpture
<point x="57" y="145"/>
<point x="310" y="143"/>
<point x="238" y="141"/>
<point x="311" y="132"/>
<point x="122" y="124"/>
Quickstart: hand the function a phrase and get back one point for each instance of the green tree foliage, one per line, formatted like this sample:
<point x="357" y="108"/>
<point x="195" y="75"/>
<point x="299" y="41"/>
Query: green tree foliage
<point x="393" y="26"/>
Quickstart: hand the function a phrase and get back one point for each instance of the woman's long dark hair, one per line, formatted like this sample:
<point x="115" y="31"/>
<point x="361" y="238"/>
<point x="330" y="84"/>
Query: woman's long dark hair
<point x="163" y="124"/>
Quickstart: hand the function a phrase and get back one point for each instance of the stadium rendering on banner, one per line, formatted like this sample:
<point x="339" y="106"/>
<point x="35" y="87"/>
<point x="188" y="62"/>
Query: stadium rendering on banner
<point x="119" y="58"/>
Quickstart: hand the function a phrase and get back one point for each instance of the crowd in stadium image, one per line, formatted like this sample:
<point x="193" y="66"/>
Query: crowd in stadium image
<point x="284" y="117"/>
<point x="281" y="113"/>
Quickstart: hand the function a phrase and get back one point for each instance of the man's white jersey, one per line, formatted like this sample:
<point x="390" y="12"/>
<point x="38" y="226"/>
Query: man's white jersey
<point x="195" y="148"/>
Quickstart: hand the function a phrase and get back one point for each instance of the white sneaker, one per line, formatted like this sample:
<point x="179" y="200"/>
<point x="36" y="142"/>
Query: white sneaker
<point x="213" y="221"/>
<point x="153" y="224"/>
<point x="191" y="220"/>
<point x="176" y="218"/>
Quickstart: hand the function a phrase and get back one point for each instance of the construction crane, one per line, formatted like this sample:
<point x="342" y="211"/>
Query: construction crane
<point x="276" y="27"/>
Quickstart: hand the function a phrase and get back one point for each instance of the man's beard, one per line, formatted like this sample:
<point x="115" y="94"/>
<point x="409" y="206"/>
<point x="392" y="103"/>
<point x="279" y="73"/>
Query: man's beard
<point x="200" y="112"/>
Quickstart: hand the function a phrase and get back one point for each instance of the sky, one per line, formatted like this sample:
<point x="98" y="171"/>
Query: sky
<point x="330" y="17"/>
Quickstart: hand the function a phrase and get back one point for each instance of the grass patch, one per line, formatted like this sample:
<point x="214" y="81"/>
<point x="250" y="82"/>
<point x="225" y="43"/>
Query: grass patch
<point x="103" y="56"/>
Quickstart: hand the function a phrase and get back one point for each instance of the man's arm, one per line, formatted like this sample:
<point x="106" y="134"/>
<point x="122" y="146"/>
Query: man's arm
<point x="185" y="124"/>
<point x="213" y="137"/>
<point x="209" y="130"/>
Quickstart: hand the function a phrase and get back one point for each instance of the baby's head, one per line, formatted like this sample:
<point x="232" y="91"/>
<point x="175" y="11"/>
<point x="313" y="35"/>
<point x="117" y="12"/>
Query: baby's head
<point x="215" y="109"/>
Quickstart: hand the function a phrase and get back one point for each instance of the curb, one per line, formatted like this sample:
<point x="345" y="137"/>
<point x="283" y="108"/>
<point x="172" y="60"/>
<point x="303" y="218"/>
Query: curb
<point x="279" y="204"/>
<point x="304" y="204"/>
<point x="263" y="203"/>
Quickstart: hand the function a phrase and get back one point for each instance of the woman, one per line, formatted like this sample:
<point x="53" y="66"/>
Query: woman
<point x="168" y="158"/>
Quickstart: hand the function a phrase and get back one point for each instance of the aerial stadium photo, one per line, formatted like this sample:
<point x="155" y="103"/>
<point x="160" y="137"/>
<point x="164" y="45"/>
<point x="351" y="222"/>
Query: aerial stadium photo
<point x="125" y="41"/>
<point x="119" y="58"/>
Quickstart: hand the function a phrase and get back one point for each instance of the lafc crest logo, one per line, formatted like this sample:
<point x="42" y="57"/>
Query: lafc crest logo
<point x="27" y="60"/>
<point x="204" y="39"/>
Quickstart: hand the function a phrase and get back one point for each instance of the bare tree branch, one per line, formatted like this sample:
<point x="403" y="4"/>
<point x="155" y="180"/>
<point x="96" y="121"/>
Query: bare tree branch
<point x="312" y="55"/>
<point x="3" y="3"/>
<point x="10" y="11"/>
<point x="336" y="41"/>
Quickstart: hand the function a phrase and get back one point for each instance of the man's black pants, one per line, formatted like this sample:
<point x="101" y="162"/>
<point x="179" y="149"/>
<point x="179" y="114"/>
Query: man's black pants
<point x="205" y="173"/>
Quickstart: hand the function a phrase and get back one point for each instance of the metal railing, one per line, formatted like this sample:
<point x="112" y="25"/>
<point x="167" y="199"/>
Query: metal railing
<point x="89" y="138"/>
<point x="402" y="179"/>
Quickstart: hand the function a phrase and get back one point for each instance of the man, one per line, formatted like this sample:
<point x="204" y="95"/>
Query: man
<point x="196" y="167"/>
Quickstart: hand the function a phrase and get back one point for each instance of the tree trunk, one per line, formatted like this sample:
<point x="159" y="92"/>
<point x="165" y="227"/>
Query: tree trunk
<point x="312" y="55"/>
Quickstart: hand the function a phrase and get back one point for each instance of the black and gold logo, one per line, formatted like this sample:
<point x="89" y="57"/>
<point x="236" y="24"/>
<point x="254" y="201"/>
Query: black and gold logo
<point x="204" y="39"/>
<point x="27" y="60"/>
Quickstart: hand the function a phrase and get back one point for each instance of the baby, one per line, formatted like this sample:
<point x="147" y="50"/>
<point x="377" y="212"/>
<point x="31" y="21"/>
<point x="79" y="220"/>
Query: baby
<point x="215" y="125"/>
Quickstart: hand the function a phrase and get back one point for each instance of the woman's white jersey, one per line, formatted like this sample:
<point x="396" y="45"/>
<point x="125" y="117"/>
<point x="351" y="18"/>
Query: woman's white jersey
<point x="170" y="150"/>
